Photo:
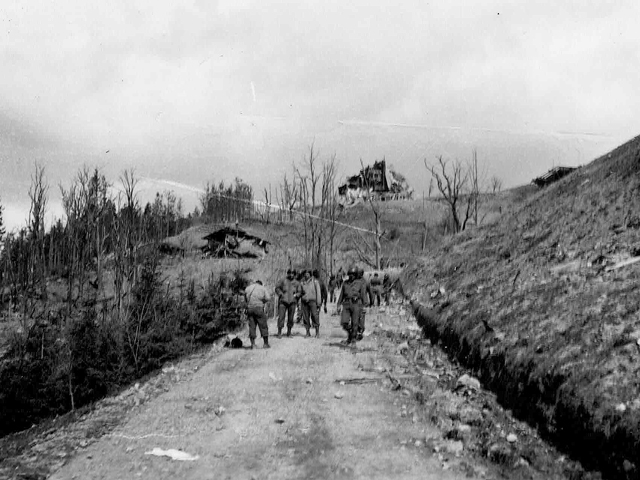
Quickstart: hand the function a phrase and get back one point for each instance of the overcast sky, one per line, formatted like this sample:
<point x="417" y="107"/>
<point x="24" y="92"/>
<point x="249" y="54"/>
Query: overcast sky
<point x="213" y="90"/>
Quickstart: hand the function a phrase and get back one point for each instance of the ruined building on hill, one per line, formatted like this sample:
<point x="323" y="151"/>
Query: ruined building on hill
<point x="552" y="176"/>
<point x="378" y="181"/>
<point x="230" y="242"/>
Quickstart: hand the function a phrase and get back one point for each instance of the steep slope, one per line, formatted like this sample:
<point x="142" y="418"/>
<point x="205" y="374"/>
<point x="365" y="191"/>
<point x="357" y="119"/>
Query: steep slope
<point x="542" y="307"/>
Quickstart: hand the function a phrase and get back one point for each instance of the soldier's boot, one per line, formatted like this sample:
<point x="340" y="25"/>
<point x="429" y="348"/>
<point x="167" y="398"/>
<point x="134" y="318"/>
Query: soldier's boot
<point x="279" y="333"/>
<point x="318" y="332"/>
<point x="266" y="342"/>
<point x="308" y="332"/>
<point x="346" y="329"/>
<point x="288" y="331"/>
<point x="253" y="343"/>
<point x="351" y="337"/>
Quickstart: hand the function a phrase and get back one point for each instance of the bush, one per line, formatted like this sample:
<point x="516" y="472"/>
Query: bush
<point x="54" y="368"/>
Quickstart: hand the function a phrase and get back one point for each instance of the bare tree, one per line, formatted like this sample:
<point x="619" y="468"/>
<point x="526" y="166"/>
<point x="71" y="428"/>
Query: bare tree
<point x="88" y="208"/>
<point x="2" y="228"/>
<point x="331" y="209"/>
<point x="266" y="216"/>
<point x="2" y="254"/>
<point x="377" y="217"/>
<point x="474" y="184"/>
<point x="312" y="198"/>
<point x="452" y="182"/>
<point x="127" y="234"/>
<point x="38" y="195"/>
<point x="308" y="177"/>
<point x="495" y="183"/>
<point x="130" y="214"/>
<point x="289" y="196"/>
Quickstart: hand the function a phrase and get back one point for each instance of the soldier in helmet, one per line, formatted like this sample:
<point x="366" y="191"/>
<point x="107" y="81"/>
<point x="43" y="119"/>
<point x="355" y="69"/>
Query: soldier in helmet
<point x="367" y="301"/>
<point x="287" y="291"/>
<point x="256" y="297"/>
<point x="376" y="289"/>
<point x="311" y="298"/>
<point x="323" y="290"/>
<point x="333" y="283"/>
<point x="298" y="274"/>
<point x="352" y="299"/>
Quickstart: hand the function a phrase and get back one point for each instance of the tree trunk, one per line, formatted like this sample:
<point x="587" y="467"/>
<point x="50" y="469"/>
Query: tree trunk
<point x="378" y="246"/>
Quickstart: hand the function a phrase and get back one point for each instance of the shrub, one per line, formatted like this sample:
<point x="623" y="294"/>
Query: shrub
<point x="54" y="368"/>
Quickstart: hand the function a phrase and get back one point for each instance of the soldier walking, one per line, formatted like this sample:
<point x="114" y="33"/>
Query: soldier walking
<point x="287" y="291"/>
<point x="256" y="297"/>
<point x="332" y="288"/>
<point x="386" y="288"/>
<point x="310" y="297"/>
<point x="340" y="278"/>
<point x="299" y="276"/>
<point x="376" y="289"/>
<point x="323" y="291"/>
<point x="368" y="300"/>
<point x="351" y="300"/>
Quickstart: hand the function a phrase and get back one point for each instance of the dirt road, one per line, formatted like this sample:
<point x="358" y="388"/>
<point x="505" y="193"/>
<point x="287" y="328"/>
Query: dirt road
<point x="283" y="416"/>
<point x="313" y="408"/>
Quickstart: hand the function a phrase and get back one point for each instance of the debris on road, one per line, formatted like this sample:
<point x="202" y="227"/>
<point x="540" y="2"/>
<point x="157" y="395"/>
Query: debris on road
<point x="470" y="418"/>
<point x="173" y="454"/>
<point x="356" y="381"/>
<point x="339" y="395"/>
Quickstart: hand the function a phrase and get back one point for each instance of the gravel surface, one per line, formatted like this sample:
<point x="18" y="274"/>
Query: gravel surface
<point x="393" y="407"/>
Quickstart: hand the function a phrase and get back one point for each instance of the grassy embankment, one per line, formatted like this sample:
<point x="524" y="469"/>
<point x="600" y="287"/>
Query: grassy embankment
<point x="540" y="306"/>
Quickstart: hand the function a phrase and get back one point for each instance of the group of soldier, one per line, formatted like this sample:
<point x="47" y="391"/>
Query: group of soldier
<point x="303" y="294"/>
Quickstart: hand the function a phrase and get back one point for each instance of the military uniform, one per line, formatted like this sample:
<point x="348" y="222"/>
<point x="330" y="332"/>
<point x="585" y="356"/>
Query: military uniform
<point x="367" y="301"/>
<point x="323" y="291"/>
<point x="287" y="291"/>
<point x="352" y="297"/>
<point x="332" y="288"/>
<point x="386" y="288"/>
<point x="376" y="289"/>
<point x="256" y="297"/>
<point x="311" y="297"/>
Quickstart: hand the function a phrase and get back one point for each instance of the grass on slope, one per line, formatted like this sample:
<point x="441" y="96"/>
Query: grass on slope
<point x="532" y="302"/>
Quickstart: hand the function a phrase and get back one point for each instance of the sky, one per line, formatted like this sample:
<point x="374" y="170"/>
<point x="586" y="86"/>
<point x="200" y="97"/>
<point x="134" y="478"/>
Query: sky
<point x="196" y="91"/>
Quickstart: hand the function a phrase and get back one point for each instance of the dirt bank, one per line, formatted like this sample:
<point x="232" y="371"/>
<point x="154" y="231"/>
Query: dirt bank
<point x="543" y="307"/>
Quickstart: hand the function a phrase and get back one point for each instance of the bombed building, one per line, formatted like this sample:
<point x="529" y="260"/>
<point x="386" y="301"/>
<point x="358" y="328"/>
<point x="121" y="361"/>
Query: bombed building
<point x="229" y="242"/>
<point x="377" y="180"/>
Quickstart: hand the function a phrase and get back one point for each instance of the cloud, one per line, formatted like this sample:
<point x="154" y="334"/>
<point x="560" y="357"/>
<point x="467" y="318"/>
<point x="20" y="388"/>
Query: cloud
<point x="202" y="91"/>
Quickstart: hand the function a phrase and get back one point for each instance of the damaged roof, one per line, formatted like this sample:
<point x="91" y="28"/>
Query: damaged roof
<point x="552" y="175"/>
<point x="220" y="234"/>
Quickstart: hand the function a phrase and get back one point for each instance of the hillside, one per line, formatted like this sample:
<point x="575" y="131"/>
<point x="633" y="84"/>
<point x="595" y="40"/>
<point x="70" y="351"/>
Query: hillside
<point x="543" y="304"/>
